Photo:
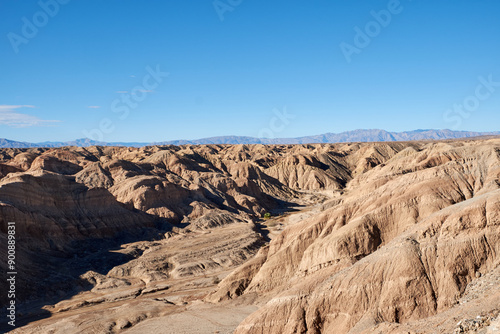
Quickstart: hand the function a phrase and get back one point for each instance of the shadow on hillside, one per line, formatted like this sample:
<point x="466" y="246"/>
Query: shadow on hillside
<point x="282" y="208"/>
<point x="54" y="276"/>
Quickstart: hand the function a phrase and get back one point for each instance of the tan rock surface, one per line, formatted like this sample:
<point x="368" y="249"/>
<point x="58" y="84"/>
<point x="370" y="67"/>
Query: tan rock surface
<point x="389" y="235"/>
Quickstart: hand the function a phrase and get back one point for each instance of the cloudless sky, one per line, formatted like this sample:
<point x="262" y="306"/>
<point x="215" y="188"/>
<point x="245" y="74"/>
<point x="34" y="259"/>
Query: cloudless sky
<point x="231" y="76"/>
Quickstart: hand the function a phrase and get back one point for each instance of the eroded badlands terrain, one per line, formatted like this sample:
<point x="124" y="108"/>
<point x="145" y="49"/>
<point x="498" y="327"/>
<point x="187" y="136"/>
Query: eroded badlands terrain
<point x="362" y="238"/>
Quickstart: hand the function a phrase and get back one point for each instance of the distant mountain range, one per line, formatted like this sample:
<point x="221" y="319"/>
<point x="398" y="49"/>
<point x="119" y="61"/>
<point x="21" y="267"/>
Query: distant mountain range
<point x="372" y="135"/>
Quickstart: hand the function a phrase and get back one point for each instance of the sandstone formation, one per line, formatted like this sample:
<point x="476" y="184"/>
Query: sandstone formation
<point x="362" y="237"/>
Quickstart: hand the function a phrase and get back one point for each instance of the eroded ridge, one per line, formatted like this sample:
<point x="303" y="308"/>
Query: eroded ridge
<point x="358" y="237"/>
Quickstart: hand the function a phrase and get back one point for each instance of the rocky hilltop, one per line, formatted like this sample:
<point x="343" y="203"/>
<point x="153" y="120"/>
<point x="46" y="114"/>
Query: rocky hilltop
<point x="399" y="237"/>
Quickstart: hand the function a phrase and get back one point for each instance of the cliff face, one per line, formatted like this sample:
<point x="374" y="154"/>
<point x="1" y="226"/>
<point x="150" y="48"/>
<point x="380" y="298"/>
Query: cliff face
<point x="404" y="230"/>
<point x="73" y="193"/>
<point x="401" y="244"/>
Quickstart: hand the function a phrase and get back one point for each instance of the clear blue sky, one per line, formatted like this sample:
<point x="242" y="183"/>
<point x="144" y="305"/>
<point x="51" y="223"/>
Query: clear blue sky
<point x="230" y="76"/>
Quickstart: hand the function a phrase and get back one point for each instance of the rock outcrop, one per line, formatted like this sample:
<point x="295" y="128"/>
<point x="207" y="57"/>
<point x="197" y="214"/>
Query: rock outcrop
<point x="402" y="244"/>
<point x="359" y="237"/>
